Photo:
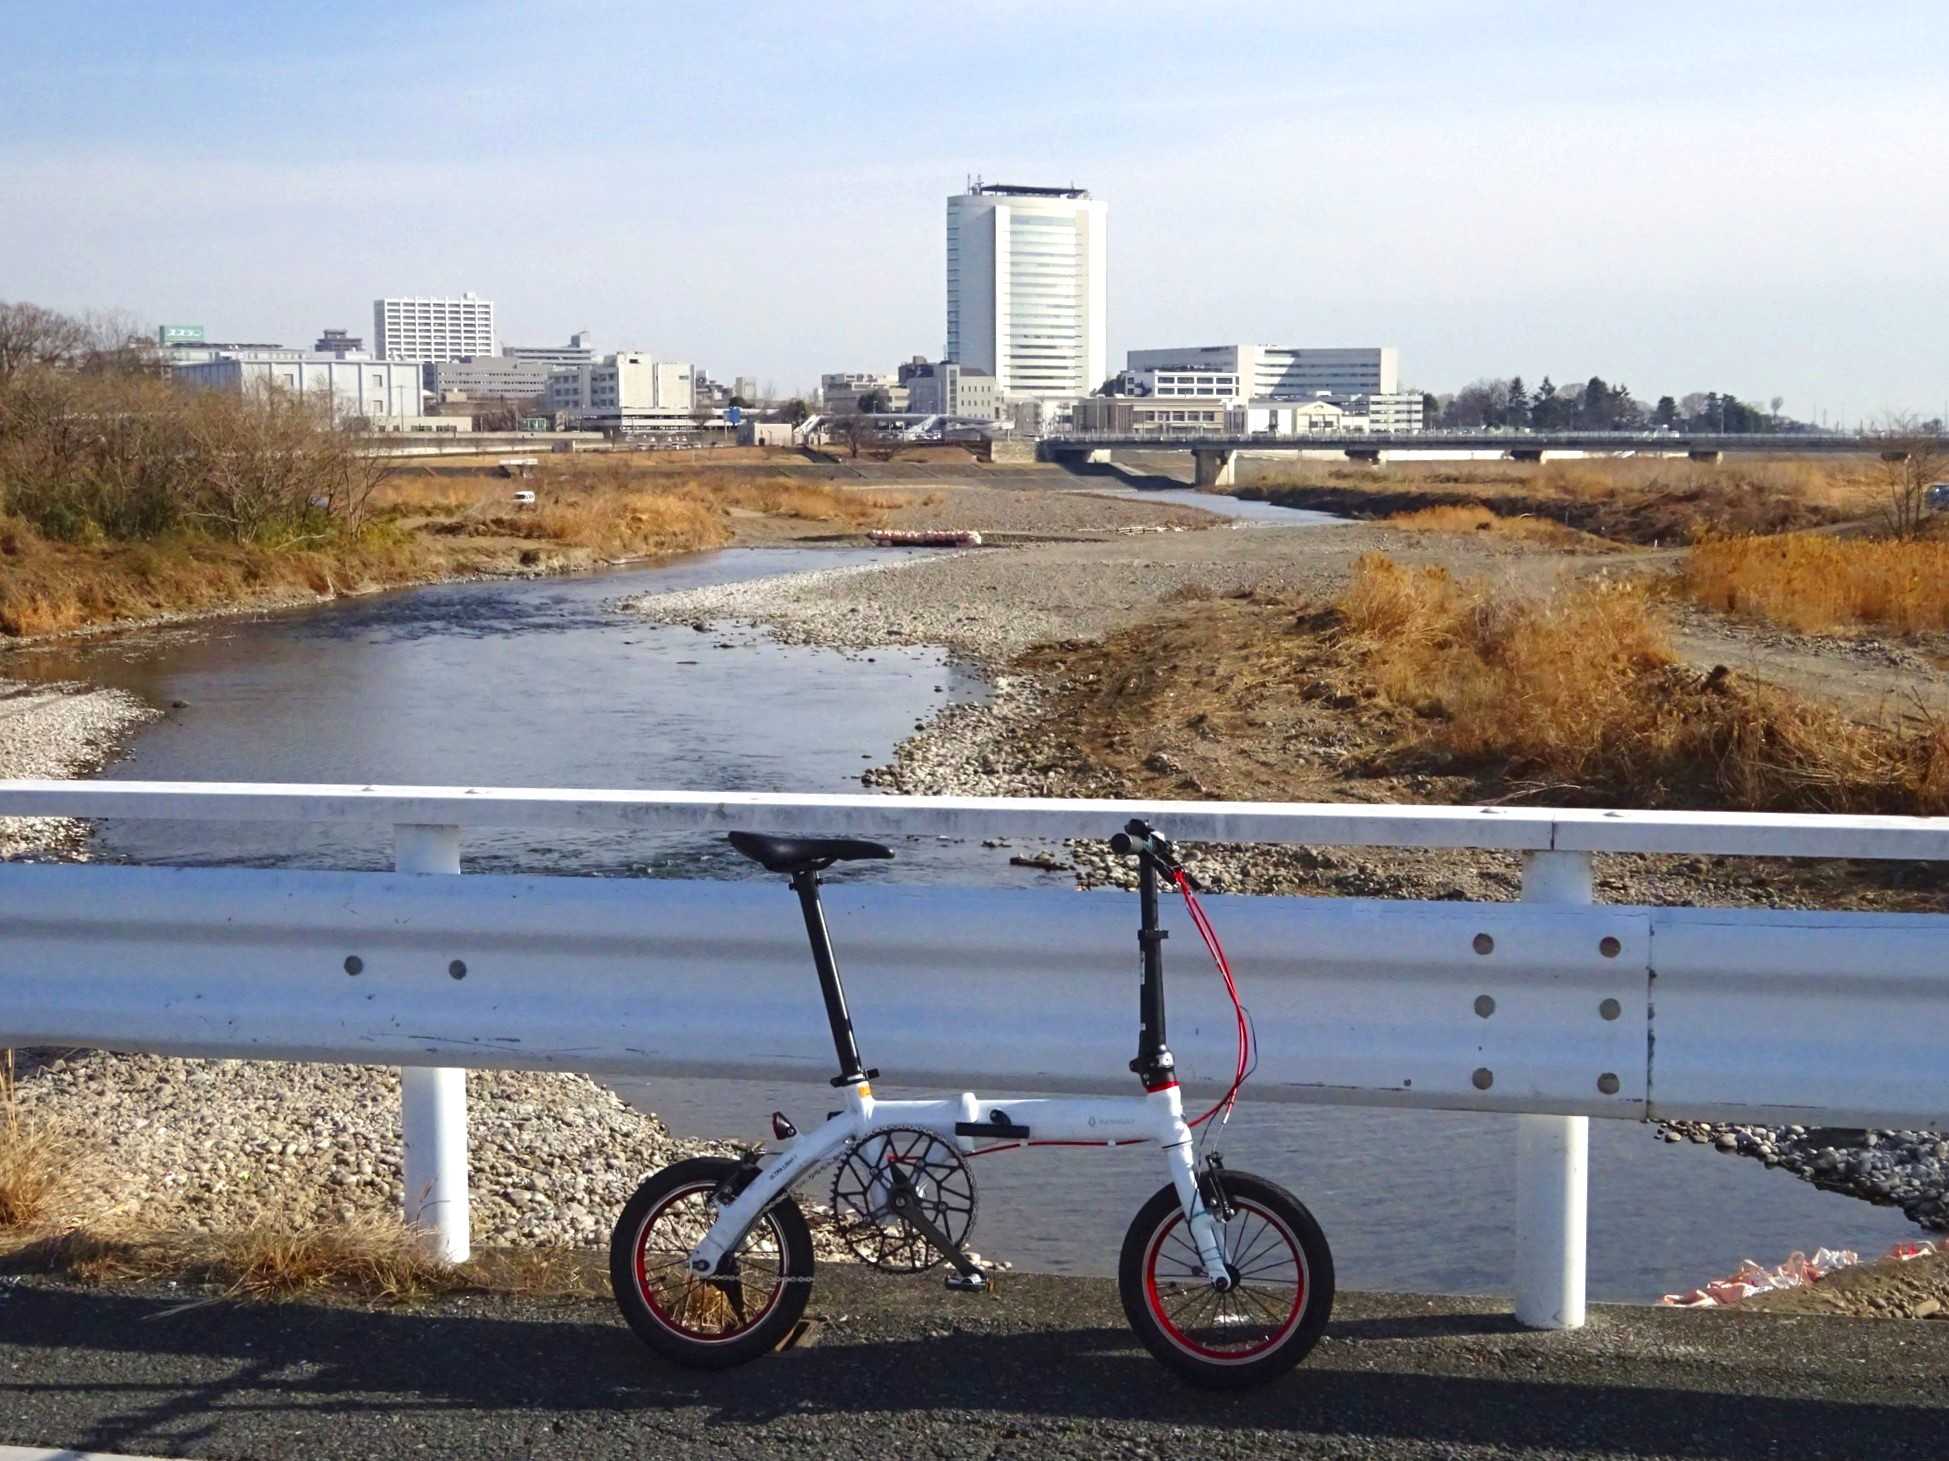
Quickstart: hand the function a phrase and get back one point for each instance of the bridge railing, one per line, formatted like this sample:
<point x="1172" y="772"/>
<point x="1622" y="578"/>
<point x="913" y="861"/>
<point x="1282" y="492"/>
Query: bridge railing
<point x="1553" y="1010"/>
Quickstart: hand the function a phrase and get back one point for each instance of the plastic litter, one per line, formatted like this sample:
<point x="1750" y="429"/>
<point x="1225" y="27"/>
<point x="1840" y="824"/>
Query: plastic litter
<point x="1750" y="1278"/>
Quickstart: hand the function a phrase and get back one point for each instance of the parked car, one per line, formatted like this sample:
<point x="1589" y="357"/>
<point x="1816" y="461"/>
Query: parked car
<point x="1937" y="496"/>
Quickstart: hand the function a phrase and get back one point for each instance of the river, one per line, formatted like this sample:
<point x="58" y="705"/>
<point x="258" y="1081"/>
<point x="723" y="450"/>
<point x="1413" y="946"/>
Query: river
<point x="544" y="683"/>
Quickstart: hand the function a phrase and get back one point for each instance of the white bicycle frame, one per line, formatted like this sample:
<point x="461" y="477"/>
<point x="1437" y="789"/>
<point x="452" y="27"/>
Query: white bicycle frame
<point x="1157" y="1116"/>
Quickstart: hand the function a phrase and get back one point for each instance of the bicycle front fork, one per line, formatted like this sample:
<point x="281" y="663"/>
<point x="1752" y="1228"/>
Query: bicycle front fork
<point x="1207" y="1230"/>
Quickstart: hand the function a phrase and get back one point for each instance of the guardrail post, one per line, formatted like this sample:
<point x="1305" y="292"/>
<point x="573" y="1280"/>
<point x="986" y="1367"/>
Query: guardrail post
<point x="433" y="1100"/>
<point x="1552" y="1156"/>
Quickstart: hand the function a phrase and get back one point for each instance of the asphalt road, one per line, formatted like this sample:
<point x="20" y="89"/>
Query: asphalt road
<point x="1044" y="1369"/>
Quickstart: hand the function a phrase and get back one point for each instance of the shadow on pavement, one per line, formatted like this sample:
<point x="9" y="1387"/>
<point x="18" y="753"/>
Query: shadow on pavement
<point x="129" y="1373"/>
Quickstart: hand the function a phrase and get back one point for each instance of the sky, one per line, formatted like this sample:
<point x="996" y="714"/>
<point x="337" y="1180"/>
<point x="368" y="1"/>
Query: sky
<point x="1736" y="197"/>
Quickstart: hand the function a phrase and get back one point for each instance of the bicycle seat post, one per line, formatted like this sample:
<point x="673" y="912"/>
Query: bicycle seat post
<point x="805" y="882"/>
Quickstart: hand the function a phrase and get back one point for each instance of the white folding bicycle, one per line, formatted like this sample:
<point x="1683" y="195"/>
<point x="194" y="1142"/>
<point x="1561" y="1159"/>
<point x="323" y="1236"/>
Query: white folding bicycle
<point x="1225" y="1276"/>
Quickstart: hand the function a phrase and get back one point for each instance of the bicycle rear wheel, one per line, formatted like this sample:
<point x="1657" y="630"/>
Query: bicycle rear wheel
<point x="741" y="1312"/>
<point x="1281" y="1294"/>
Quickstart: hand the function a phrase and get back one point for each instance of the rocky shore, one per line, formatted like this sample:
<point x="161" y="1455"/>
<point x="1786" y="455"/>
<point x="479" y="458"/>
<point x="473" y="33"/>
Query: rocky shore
<point x="53" y="731"/>
<point x="1905" y="1169"/>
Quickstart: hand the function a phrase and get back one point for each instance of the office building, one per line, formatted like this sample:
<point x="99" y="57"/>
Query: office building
<point x="430" y="327"/>
<point x="580" y="350"/>
<point x="1396" y="411"/>
<point x="948" y="388"/>
<point x="488" y="378"/>
<point x="1274" y="372"/>
<point x="627" y="392"/>
<point x="1027" y="288"/>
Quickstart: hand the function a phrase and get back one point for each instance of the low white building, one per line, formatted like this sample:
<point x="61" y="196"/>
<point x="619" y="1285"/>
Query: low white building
<point x="947" y="388"/>
<point x="1294" y="418"/>
<point x="629" y="391"/>
<point x="1283" y="372"/>
<point x="384" y="392"/>
<point x="840" y="392"/>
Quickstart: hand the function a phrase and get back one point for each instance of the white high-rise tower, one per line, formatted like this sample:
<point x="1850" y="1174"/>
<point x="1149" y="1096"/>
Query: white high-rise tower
<point x="1027" y="288"/>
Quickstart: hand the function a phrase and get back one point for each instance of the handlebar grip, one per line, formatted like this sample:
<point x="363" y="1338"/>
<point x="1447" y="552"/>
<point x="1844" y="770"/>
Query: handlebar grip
<point x="1121" y="844"/>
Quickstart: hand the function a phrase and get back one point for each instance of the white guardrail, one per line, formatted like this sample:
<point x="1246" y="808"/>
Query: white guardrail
<point x="1554" y="1009"/>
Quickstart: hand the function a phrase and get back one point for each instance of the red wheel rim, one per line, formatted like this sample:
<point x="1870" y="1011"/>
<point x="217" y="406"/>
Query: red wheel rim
<point x="1252" y="1318"/>
<point x="700" y="1310"/>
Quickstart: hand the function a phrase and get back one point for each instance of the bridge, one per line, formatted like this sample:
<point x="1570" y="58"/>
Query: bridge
<point x="1215" y="453"/>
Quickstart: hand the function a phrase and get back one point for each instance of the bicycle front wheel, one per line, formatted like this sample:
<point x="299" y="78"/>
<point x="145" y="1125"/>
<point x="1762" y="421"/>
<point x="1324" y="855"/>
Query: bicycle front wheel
<point x="1281" y="1285"/>
<point x="741" y="1312"/>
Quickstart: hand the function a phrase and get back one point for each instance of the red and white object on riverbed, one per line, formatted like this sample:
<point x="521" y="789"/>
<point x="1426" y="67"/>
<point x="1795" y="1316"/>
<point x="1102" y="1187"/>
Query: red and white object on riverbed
<point x="916" y="538"/>
<point x="1798" y="1270"/>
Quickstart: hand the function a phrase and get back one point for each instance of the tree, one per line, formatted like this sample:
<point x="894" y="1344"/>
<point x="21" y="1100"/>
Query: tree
<point x="31" y="336"/>
<point x="1913" y="460"/>
<point x="1549" y="411"/>
<point x="1476" y="405"/>
<point x="1667" y="413"/>
<point x="873" y="401"/>
<point x="1431" y="407"/>
<point x="1516" y="412"/>
<point x="795" y="410"/>
<point x="740" y="402"/>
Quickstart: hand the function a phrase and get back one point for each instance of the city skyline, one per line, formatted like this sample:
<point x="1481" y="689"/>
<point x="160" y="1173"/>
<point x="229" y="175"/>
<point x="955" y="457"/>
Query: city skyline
<point x="1677" y="202"/>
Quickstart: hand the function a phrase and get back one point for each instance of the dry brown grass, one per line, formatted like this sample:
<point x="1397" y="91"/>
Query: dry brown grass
<point x="48" y="587"/>
<point x="1819" y="583"/>
<point x="1580" y="688"/>
<point x="1471" y="518"/>
<point x="47" y="1174"/>
<point x="372" y="1258"/>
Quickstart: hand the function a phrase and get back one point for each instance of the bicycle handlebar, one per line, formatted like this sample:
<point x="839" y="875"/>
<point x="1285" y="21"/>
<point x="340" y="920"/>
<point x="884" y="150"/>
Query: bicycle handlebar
<point x="1146" y="841"/>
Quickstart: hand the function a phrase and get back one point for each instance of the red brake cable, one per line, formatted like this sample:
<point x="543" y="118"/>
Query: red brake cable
<point x="1248" y="1055"/>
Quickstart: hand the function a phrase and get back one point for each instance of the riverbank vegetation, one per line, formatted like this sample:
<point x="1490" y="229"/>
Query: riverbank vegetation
<point x="1580" y="688"/>
<point x="1647" y="501"/>
<point x="125" y="496"/>
<point x="1818" y="583"/>
<point x="1414" y="685"/>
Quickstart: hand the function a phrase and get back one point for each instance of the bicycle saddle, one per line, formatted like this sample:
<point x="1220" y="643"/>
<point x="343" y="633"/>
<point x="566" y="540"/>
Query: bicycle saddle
<point x="798" y="854"/>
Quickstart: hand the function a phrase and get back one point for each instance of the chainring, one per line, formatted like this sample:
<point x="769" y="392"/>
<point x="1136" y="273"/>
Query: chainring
<point x="863" y="1216"/>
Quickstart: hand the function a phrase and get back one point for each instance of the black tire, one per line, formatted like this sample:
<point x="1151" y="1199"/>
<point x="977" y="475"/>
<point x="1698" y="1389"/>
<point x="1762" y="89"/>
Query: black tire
<point x="1280" y="1302"/>
<point x="706" y="1323"/>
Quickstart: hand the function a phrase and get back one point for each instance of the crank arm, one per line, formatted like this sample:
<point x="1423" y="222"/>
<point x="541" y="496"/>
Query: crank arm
<point x="906" y="1207"/>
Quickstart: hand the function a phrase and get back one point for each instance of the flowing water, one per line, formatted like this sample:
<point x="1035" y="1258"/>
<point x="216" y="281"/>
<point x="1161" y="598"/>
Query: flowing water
<point x="547" y="684"/>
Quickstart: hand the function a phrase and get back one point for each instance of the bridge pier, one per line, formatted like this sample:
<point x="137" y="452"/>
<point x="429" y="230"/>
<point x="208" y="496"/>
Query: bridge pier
<point x="1368" y="454"/>
<point x="1526" y="454"/>
<point x="1705" y="454"/>
<point x="1214" y="468"/>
